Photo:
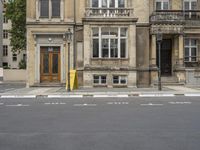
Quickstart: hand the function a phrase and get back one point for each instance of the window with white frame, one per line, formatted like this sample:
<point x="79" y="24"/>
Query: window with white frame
<point x="191" y="47"/>
<point x="190" y="4"/>
<point x="109" y="42"/>
<point x="120" y="79"/>
<point x="49" y="8"/>
<point x="108" y="3"/>
<point x="99" y="79"/>
<point x="162" y="4"/>
<point x="5" y="20"/>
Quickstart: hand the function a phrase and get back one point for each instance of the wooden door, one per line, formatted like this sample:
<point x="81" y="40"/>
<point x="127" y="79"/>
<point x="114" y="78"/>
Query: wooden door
<point x="50" y="64"/>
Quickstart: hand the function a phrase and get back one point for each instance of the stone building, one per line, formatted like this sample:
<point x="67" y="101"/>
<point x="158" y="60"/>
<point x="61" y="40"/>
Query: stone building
<point x="114" y="41"/>
<point x="1" y="32"/>
<point x="9" y="59"/>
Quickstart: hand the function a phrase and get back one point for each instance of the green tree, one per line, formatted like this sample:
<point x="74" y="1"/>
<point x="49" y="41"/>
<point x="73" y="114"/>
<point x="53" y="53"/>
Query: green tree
<point x="16" y="12"/>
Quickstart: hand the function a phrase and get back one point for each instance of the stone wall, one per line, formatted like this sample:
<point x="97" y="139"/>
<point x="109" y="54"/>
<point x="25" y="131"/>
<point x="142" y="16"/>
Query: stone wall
<point x="14" y="75"/>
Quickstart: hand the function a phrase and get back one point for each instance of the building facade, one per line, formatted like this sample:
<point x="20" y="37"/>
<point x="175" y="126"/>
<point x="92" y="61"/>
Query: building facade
<point x="9" y="59"/>
<point x="114" y="41"/>
<point x="1" y="32"/>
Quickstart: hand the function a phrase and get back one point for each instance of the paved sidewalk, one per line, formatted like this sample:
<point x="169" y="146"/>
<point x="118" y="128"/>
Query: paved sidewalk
<point x="19" y="90"/>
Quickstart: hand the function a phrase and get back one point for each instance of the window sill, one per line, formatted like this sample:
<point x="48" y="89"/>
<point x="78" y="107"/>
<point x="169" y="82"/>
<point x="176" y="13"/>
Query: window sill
<point x="100" y="85"/>
<point x="119" y="85"/>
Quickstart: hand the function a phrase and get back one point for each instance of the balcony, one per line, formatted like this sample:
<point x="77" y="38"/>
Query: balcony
<point x="108" y="12"/>
<point x="186" y="17"/>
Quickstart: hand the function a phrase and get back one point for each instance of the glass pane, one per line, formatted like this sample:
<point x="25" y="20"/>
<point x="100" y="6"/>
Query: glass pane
<point x="123" y="80"/>
<point x="45" y="63"/>
<point x="121" y="3"/>
<point x="193" y="42"/>
<point x="105" y="48"/>
<point x="187" y="52"/>
<point x="158" y="5"/>
<point x="114" y="31"/>
<point x="186" y="5"/>
<point x="56" y="49"/>
<point x="95" y="47"/>
<point x="115" y="79"/>
<point x="165" y="5"/>
<point x="104" y="3"/>
<point x="95" y="3"/>
<point x="103" y="79"/>
<point x="193" y="52"/>
<point x="95" y="32"/>
<point x="187" y="42"/>
<point x="112" y="3"/>
<point x="123" y="32"/>
<point x="193" y="5"/>
<point x="96" y="79"/>
<point x="114" y="48"/>
<point x="123" y="48"/>
<point x="44" y="8"/>
<point x="55" y="8"/>
<point x="105" y="31"/>
<point x="55" y="63"/>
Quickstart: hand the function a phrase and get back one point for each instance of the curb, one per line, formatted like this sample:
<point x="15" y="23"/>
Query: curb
<point x="145" y="95"/>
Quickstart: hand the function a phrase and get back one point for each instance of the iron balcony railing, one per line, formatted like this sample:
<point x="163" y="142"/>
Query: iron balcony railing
<point x="175" y="16"/>
<point x="108" y="12"/>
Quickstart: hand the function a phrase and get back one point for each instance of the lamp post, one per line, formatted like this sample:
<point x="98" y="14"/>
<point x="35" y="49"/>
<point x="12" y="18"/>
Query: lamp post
<point x="159" y="41"/>
<point x="68" y="36"/>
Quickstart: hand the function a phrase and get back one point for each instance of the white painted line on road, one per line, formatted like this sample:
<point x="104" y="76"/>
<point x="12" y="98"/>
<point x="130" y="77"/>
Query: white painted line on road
<point x="65" y="96"/>
<point x="156" y="95"/>
<point x="193" y="95"/>
<point x="55" y="103"/>
<point x="17" y="105"/>
<point x="180" y="102"/>
<point x="1" y="103"/>
<point x="151" y="104"/>
<point x="82" y="105"/>
<point x="18" y="96"/>
<point x="110" y="96"/>
<point x="117" y="103"/>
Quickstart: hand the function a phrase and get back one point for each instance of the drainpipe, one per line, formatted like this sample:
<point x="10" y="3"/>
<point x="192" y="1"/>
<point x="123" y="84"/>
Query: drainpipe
<point x="74" y="37"/>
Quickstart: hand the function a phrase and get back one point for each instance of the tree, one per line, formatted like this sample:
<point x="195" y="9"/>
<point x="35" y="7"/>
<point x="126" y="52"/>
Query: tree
<point x="16" y="12"/>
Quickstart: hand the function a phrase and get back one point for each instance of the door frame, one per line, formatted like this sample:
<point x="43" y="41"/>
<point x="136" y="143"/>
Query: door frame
<point x="62" y="62"/>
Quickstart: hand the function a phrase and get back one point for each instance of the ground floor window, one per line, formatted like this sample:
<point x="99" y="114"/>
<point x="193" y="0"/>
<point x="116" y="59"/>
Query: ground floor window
<point x="120" y="79"/>
<point x="109" y="42"/>
<point x="5" y="64"/>
<point x="191" y="47"/>
<point x="99" y="79"/>
<point x="14" y="57"/>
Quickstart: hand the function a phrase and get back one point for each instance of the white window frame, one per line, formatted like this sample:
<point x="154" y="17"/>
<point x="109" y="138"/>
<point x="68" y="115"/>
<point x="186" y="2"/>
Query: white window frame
<point x="5" y="34"/>
<point x="14" y="56"/>
<point x="162" y="4"/>
<point x="108" y="6"/>
<point x="190" y="49"/>
<point x="190" y="4"/>
<point x="5" y="50"/>
<point x="119" y="80"/>
<point x="99" y="79"/>
<point x="119" y="38"/>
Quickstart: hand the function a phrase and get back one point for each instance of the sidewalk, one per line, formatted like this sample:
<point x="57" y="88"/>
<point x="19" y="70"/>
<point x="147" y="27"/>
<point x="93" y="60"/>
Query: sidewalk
<point x="100" y="92"/>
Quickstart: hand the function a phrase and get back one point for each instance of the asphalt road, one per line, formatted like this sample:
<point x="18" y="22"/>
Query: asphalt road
<point x="100" y="124"/>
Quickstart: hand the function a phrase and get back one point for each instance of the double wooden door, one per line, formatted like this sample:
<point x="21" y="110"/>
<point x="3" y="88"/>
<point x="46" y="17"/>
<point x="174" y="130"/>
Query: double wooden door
<point x="50" y="64"/>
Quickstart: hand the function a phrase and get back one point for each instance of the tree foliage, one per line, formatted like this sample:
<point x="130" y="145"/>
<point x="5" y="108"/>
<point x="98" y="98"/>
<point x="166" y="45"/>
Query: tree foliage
<point x="16" y="12"/>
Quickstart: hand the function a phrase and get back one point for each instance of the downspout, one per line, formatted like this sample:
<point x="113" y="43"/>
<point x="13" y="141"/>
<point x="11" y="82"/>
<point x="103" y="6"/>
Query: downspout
<point x="74" y="37"/>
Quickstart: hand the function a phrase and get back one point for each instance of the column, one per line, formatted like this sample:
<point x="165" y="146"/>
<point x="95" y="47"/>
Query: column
<point x="37" y="10"/>
<point x="62" y="10"/>
<point x="153" y="50"/>
<point x="181" y="50"/>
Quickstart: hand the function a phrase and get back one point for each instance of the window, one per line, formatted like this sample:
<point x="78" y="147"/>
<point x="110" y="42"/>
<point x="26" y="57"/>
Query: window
<point x="5" y="50"/>
<point x="5" y="34"/>
<point x="45" y="10"/>
<point x="14" y="57"/>
<point x="120" y="79"/>
<point x="108" y="3"/>
<point x="191" y="47"/>
<point x="109" y="42"/>
<point x="5" y="20"/>
<point x="162" y="4"/>
<point x="99" y="79"/>
<point x="5" y="64"/>
<point x="190" y="5"/>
